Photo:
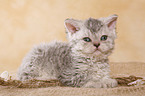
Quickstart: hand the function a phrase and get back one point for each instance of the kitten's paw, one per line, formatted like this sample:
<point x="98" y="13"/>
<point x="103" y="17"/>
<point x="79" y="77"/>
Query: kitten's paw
<point x="109" y="83"/>
<point x="92" y="84"/>
<point x="105" y="83"/>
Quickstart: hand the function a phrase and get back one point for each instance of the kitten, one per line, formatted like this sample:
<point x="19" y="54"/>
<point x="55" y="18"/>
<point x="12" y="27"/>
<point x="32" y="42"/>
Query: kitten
<point x="82" y="62"/>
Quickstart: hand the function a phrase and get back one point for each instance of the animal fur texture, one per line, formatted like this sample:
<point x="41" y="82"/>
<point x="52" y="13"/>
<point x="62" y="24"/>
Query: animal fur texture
<point x="82" y="62"/>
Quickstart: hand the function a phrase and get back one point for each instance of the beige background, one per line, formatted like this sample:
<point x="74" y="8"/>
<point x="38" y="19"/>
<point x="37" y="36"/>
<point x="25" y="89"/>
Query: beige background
<point x="24" y="23"/>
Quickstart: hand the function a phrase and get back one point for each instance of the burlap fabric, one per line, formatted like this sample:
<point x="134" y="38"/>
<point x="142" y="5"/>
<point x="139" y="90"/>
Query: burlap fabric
<point x="117" y="69"/>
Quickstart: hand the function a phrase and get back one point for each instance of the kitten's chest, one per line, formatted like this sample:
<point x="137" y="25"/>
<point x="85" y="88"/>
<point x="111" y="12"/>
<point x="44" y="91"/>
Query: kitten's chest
<point x="94" y="69"/>
<point x="91" y="64"/>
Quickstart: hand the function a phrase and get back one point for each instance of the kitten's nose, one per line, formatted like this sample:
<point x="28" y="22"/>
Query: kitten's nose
<point x="97" y="45"/>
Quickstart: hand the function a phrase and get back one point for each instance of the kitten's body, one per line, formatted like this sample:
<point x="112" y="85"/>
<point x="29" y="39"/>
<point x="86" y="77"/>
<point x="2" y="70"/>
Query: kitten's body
<point x="77" y="63"/>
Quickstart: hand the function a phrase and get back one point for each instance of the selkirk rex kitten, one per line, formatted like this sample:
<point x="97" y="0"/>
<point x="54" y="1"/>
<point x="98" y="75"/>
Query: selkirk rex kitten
<point x="82" y="62"/>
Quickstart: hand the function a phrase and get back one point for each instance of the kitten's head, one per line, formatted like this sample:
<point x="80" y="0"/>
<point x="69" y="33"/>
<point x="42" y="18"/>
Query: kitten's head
<point x="93" y="37"/>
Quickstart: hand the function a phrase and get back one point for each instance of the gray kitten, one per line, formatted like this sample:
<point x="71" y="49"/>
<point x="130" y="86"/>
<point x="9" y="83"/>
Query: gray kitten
<point x="82" y="62"/>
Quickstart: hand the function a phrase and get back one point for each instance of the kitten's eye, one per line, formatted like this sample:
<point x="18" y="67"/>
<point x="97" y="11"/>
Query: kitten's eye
<point x="87" y="39"/>
<point x="104" y="37"/>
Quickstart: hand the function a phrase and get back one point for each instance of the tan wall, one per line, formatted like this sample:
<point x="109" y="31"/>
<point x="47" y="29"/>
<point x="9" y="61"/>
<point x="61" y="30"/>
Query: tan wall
<point x="24" y="23"/>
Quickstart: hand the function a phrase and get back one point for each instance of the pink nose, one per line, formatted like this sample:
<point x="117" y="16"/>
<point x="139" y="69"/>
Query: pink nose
<point x="96" y="45"/>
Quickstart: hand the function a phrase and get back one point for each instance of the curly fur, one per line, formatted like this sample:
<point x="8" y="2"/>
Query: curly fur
<point x="77" y="63"/>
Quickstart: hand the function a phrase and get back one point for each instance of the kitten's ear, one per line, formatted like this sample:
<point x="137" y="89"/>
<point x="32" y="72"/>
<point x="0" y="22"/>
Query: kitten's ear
<point x="111" y="21"/>
<point x="71" y="25"/>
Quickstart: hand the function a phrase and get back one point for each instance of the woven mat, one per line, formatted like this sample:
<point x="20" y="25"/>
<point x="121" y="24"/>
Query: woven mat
<point x="17" y="88"/>
<point x="68" y="91"/>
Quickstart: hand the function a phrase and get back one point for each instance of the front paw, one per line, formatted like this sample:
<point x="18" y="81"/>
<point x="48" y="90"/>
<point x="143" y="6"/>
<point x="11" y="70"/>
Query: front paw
<point x="104" y="83"/>
<point x="92" y="84"/>
<point x="109" y="83"/>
